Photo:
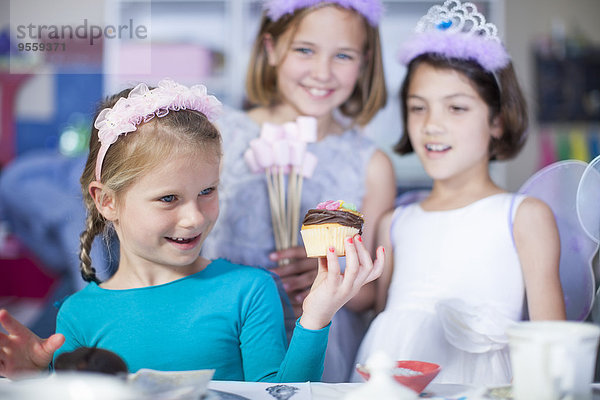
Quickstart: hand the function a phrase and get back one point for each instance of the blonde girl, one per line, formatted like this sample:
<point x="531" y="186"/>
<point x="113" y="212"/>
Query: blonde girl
<point x="152" y="176"/>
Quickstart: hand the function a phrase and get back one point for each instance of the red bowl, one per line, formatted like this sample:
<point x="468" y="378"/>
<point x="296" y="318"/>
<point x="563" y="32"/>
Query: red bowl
<point x="416" y="382"/>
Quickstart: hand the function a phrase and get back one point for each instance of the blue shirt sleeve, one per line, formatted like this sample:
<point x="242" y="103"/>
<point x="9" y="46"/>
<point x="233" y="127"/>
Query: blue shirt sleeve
<point x="263" y="342"/>
<point x="305" y="356"/>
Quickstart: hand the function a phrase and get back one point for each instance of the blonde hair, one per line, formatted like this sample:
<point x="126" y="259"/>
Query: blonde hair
<point x="133" y="155"/>
<point x="369" y="95"/>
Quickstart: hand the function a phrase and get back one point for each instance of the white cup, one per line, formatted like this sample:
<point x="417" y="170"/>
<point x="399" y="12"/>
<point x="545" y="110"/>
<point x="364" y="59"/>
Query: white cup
<point x="553" y="360"/>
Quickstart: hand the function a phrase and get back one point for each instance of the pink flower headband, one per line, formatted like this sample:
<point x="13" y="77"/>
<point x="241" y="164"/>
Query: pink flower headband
<point x="143" y="104"/>
<point x="457" y="30"/>
<point x="372" y="10"/>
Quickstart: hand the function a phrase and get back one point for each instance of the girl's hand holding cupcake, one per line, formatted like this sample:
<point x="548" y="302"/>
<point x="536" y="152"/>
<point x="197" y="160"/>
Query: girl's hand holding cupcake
<point x="332" y="288"/>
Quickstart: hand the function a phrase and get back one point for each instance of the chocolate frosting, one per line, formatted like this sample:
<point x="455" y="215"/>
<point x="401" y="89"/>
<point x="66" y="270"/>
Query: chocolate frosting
<point x="316" y="217"/>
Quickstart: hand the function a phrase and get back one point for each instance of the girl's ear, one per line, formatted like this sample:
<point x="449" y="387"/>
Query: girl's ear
<point x="104" y="199"/>
<point x="497" y="127"/>
<point x="269" y="44"/>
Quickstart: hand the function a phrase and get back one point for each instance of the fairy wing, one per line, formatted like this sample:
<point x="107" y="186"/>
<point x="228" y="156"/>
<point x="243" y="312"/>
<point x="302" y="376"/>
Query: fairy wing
<point x="558" y="185"/>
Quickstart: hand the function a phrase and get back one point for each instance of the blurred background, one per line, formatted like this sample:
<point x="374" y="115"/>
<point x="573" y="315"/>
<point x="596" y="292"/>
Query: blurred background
<point x="58" y="59"/>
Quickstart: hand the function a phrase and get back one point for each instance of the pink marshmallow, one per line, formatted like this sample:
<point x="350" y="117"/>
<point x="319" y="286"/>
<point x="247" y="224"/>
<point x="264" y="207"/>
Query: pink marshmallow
<point x="271" y="132"/>
<point x="309" y="164"/>
<point x="297" y="150"/>
<point x="307" y="128"/>
<point x="281" y="153"/>
<point x="291" y="131"/>
<point x="251" y="161"/>
<point x="263" y="152"/>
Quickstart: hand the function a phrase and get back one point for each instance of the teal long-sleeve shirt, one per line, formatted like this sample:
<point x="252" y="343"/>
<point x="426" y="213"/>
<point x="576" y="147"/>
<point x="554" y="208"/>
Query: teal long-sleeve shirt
<point x="226" y="317"/>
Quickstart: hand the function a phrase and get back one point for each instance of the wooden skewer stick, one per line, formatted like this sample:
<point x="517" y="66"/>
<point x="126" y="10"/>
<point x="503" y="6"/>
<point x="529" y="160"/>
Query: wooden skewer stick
<point x="291" y="204"/>
<point x="282" y="209"/>
<point x="298" y="197"/>
<point x="274" y="209"/>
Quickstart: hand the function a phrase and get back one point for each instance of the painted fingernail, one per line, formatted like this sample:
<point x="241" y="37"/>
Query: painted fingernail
<point x="332" y="249"/>
<point x="359" y="238"/>
<point x="350" y="240"/>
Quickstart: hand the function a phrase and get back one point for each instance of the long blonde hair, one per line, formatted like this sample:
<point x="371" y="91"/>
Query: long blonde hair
<point x="132" y="156"/>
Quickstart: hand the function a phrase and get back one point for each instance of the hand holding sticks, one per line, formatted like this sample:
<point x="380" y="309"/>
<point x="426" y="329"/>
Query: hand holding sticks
<point x="281" y="151"/>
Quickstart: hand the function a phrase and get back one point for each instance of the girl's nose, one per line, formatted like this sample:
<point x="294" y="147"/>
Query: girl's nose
<point x="191" y="216"/>
<point x="321" y="68"/>
<point x="433" y="124"/>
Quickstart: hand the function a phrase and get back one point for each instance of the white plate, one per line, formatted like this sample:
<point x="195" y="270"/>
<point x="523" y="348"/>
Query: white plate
<point x="172" y="385"/>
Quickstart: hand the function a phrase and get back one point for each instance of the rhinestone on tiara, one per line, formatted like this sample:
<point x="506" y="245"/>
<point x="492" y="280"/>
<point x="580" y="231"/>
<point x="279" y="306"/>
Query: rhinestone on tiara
<point x="453" y="16"/>
<point x="456" y="30"/>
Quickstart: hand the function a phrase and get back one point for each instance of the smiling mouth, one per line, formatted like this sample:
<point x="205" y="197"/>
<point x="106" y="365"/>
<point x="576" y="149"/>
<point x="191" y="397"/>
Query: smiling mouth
<point x="182" y="240"/>
<point x="318" y="92"/>
<point x="437" y="147"/>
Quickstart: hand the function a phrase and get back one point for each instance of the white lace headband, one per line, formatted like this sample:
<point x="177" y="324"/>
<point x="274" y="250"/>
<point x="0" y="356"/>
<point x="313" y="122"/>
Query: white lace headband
<point x="143" y="104"/>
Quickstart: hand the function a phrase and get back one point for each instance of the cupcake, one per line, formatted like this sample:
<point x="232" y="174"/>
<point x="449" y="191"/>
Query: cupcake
<point x="328" y="225"/>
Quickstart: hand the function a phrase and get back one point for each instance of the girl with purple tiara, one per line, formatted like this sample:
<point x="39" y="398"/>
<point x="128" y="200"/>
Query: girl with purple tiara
<point x="320" y="59"/>
<point x="464" y="258"/>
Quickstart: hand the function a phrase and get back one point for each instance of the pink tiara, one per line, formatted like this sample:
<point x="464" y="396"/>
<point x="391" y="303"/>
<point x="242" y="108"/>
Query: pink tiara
<point x="143" y="104"/>
<point x="457" y="30"/>
<point x="372" y="10"/>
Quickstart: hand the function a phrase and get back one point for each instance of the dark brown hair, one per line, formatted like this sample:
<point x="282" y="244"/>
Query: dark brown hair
<point x="369" y="94"/>
<point x="501" y="93"/>
<point x="91" y="359"/>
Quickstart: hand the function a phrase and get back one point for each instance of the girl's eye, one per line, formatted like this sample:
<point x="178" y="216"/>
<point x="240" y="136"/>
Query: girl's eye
<point x="303" y="50"/>
<point x="458" y="108"/>
<point x="168" y="199"/>
<point x="415" y="108"/>
<point x="344" y="56"/>
<point x="207" y="191"/>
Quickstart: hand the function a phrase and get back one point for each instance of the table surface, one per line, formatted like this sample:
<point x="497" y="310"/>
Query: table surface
<point x="232" y="390"/>
<point x="337" y="391"/>
<point x="327" y="391"/>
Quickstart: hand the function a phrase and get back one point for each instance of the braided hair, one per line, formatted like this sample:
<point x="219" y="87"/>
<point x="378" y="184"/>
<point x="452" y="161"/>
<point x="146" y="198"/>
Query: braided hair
<point x="133" y="155"/>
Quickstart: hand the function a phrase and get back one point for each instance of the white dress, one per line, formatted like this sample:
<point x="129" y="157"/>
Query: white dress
<point x="457" y="285"/>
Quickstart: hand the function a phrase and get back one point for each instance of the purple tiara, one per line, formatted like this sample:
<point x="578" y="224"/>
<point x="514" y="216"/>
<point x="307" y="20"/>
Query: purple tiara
<point x="457" y="30"/>
<point x="372" y="10"/>
<point x="490" y="54"/>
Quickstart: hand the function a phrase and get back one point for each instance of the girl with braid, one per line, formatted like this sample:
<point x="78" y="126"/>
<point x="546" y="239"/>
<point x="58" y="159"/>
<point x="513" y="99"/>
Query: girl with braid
<point x="152" y="177"/>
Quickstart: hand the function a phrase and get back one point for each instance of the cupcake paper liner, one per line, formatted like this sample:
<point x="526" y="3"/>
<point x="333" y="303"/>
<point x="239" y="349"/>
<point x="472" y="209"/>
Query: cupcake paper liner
<point x="318" y="238"/>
